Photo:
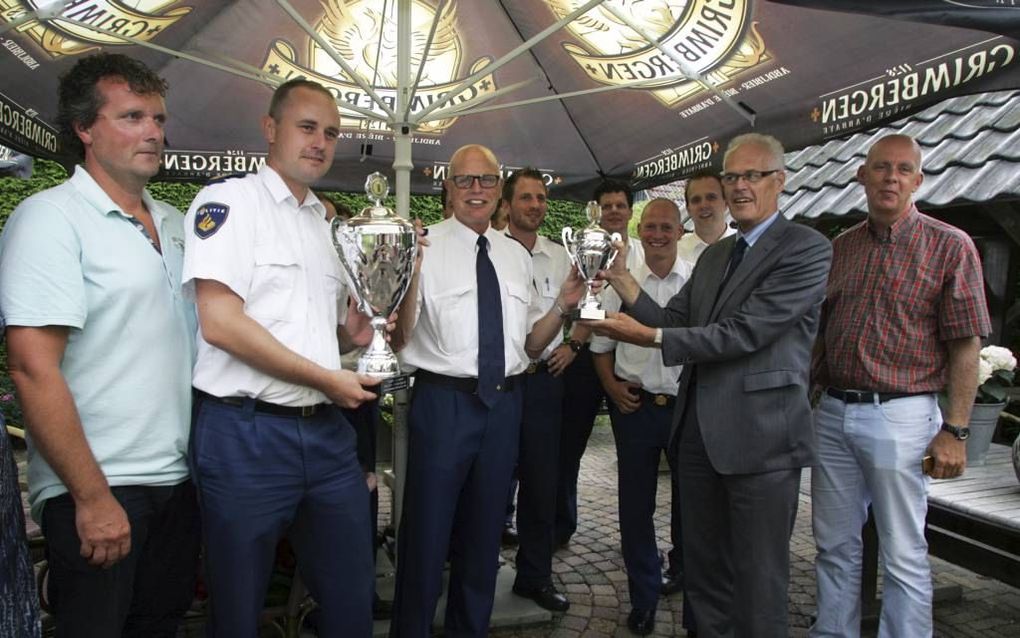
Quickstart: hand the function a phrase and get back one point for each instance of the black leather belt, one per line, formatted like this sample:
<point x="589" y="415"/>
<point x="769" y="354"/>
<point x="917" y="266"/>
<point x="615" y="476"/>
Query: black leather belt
<point x="461" y="384"/>
<point x="661" y="400"/>
<point x="264" y="407"/>
<point x="537" y="366"/>
<point x="863" y="396"/>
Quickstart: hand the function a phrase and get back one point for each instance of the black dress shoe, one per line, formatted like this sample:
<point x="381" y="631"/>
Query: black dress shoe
<point x="509" y="538"/>
<point x="641" y="622"/>
<point x="671" y="583"/>
<point x="546" y="597"/>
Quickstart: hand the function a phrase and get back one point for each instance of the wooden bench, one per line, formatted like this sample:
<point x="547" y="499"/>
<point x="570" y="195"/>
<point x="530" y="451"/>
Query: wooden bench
<point x="974" y="521"/>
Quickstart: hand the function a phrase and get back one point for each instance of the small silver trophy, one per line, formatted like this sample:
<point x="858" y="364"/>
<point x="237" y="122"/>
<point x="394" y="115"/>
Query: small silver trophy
<point x="591" y="250"/>
<point x="378" y="249"/>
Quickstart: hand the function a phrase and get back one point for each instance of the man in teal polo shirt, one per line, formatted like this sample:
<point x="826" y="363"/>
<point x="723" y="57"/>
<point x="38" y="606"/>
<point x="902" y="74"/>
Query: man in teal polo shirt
<point x="100" y="345"/>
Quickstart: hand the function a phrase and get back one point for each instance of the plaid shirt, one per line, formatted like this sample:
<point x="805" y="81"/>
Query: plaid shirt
<point x="894" y="300"/>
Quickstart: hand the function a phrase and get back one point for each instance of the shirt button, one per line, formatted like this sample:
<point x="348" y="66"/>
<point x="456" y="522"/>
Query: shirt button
<point x="499" y="388"/>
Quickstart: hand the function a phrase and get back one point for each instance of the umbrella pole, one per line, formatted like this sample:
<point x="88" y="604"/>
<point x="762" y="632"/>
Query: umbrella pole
<point x="402" y="166"/>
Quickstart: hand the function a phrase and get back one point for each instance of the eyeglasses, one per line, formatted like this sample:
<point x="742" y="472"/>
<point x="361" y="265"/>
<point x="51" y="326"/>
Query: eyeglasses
<point x="485" y="181"/>
<point x="751" y="176"/>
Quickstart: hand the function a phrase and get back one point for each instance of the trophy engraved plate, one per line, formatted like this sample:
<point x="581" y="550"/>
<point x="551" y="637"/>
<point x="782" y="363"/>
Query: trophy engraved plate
<point x="591" y="250"/>
<point x="378" y="249"/>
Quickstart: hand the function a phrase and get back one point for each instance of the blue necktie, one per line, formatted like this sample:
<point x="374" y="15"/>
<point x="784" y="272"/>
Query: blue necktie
<point x="735" y="258"/>
<point x="491" y="362"/>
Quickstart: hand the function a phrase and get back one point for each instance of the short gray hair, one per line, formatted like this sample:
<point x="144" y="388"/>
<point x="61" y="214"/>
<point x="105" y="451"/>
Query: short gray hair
<point x="767" y="142"/>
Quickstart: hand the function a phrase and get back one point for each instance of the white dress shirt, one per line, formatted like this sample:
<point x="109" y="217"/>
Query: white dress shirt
<point x="445" y="335"/>
<point x="690" y="246"/>
<point x="551" y="266"/>
<point x="275" y="253"/>
<point x="639" y="364"/>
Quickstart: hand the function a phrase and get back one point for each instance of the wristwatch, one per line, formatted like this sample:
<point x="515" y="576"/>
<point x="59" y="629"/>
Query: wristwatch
<point x="962" y="433"/>
<point x="657" y="340"/>
<point x="574" y="345"/>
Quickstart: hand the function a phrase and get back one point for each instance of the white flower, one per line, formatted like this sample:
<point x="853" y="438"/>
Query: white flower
<point x="998" y="358"/>
<point x="984" y="370"/>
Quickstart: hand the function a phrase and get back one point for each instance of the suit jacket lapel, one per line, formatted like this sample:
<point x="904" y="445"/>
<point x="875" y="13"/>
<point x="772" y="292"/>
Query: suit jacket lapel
<point x="752" y="259"/>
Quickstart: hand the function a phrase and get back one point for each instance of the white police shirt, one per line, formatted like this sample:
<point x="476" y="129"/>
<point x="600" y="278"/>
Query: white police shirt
<point x="445" y="335"/>
<point x="639" y="364"/>
<point x="252" y="235"/>
<point x="551" y="266"/>
<point x="690" y="246"/>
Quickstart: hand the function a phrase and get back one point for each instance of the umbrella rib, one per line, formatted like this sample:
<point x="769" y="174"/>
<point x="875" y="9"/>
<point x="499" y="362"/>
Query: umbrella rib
<point x="539" y="100"/>
<point x="688" y="71"/>
<point x="492" y="67"/>
<point x="42" y="14"/>
<point x="465" y="107"/>
<point x="378" y="49"/>
<point x="424" y="57"/>
<point x="258" y="76"/>
<point x="331" y="52"/>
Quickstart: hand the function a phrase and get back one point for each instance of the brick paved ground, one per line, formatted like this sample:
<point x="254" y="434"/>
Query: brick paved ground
<point x="591" y="571"/>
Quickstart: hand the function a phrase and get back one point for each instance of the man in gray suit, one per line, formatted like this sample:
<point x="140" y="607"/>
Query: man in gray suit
<point x="742" y="327"/>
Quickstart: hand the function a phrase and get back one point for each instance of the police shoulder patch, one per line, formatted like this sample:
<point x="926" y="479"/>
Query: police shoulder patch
<point x="209" y="218"/>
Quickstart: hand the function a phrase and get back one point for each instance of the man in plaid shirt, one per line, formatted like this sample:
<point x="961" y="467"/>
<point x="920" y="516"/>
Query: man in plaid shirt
<point x="903" y="318"/>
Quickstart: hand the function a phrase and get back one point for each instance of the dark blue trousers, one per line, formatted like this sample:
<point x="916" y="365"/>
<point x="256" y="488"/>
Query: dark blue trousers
<point x="537" y="471"/>
<point x="582" y="396"/>
<point x="641" y="438"/>
<point x="147" y="592"/>
<point x="459" y="461"/>
<point x="261" y="476"/>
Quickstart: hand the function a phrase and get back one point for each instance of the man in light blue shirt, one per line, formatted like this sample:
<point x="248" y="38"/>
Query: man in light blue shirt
<point x="100" y="345"/>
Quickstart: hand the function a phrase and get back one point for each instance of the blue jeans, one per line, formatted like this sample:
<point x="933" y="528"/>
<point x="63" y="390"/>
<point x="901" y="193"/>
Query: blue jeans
<point x="870" y="453"/>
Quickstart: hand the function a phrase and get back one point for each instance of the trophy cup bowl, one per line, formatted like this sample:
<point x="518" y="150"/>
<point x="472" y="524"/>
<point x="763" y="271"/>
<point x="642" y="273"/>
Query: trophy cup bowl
<point x="591" y="250"/>
<point x="378" y="249"/>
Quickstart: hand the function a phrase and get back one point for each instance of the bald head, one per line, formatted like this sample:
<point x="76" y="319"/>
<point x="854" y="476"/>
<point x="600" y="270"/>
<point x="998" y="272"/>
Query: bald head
<point x="459" y="157"/>
<point x="891" y="175"/>
<point x="896" y="139"/>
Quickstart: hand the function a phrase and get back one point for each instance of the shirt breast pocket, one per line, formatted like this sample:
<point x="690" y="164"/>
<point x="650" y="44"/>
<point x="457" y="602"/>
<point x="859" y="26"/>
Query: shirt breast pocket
<point x="277" y="285"/>
<point x="517" y="301"/>
<point x="456" y="311"/>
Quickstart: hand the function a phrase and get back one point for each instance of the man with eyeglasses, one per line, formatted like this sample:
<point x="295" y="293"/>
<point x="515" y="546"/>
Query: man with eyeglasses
<point x="479" y="324"/>
<point x="742" y="327"/>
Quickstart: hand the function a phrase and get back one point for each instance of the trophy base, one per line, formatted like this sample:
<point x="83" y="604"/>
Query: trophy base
<point x="384" y="366"/>
<point x="596" y="314"/>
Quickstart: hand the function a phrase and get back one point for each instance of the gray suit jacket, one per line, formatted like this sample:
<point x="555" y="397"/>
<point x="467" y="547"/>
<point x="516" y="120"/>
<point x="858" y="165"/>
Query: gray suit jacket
<point x="751" y="347"/>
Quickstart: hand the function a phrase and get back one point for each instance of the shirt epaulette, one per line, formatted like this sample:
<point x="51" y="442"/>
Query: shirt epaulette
<point x="219" y="179"/>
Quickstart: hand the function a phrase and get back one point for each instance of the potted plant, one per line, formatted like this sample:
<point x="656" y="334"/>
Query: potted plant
<point x="995" y="373"/>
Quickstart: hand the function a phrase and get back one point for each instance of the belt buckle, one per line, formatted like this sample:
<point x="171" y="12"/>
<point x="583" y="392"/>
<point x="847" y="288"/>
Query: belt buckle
<point x="660" y="400"/>
<point x="532" y="367"/>
<point x="308" y="410"/>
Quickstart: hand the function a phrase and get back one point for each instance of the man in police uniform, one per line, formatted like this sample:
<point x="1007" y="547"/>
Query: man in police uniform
<point x="525" y="196"/>
<point x="642" y="393"/>
<point x="582" y="393"/>
<point x="271" y="451"/>
<point x="478" y="324"/>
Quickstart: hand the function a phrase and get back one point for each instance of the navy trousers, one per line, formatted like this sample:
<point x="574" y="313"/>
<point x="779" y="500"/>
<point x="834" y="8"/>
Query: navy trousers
<point x="582" y="397"/>
<point x="147" y="592"/>
<point x="641" y="438"/>
<point x="537" y="470"/>
<point x="261" y="476"/>
<point x="459" y="461"/>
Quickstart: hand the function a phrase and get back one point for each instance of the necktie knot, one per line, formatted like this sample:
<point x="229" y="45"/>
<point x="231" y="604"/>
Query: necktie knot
<point x="483" y="244"/>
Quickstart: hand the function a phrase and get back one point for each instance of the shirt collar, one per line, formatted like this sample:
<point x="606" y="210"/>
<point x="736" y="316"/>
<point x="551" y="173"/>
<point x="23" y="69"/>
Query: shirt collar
<point x="680" y="268"/>
<point x="900" y="228"/>
<point x="280" y="193"/>
<point x="759" y="230"/>
<point x="95" y="196"/>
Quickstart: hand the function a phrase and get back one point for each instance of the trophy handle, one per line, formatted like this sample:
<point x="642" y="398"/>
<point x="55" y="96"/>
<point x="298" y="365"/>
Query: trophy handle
<point x="567" y="237"/>
<point x="612" y="257"/>
<point x="343" y="241"/>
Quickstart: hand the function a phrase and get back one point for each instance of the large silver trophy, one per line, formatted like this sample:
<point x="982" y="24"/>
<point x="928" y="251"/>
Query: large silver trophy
<point x="591" y="250"/>
<point x="378" y="249"/>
